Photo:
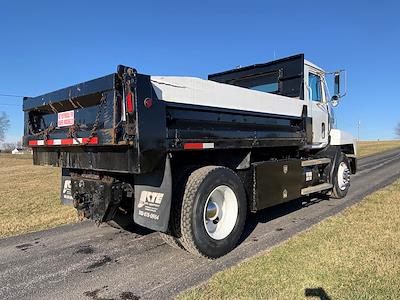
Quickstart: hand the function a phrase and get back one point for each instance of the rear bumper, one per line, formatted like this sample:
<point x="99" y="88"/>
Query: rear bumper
<point x="115" y="159"/>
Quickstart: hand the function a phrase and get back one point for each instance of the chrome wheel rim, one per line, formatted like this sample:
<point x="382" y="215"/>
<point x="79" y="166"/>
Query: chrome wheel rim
<point x="220" y="212"/>
<point x="343" y="176"/>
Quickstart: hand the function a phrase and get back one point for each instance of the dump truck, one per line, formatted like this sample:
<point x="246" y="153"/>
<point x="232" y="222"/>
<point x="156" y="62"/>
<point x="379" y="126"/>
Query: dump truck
<point x="194" y="158"/>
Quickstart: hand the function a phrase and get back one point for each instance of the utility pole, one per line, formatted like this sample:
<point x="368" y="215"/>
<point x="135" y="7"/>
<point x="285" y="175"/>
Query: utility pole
<point x="358" y="130"/>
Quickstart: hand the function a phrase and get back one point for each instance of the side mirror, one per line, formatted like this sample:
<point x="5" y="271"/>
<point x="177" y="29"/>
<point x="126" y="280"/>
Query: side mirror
<point x="337" y="87"/>
<point x="337" y="84"/>
<point x="335" y="100"/>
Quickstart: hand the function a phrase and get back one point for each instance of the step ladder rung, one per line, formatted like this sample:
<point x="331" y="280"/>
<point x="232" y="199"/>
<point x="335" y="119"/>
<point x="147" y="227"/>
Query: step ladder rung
<point x="317" y="161"/>
<point x="316" y="188"/>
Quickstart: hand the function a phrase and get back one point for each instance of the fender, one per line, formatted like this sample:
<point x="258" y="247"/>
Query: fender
<point x="347" y="144"/>
<point x="153" y="192"/>
<point x="343" y="138"/>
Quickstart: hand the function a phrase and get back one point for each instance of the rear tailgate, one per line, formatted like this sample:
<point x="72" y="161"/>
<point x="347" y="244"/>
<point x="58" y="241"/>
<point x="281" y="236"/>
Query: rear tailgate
<point x="85" y="113"/>
<point x="85" y="126"/>
<point x="107" y="124"/>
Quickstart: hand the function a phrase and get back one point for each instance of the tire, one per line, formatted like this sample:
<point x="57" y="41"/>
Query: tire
<point x="341" y="177"/>
<point x="172" y="237"/>
<point x="212" y="231"/>
<point x="171" y="240"/>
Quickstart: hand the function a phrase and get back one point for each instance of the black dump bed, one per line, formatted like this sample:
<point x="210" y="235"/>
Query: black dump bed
<point x="117" y="124"/>
<point x="85" y="110"/>
<point x="95" y="125"/>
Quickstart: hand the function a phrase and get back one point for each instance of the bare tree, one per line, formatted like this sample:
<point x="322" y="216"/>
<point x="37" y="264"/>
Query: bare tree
<point x="8" y="147"/>
<point x="4" y="124"/>
<point x="398" y="130"/>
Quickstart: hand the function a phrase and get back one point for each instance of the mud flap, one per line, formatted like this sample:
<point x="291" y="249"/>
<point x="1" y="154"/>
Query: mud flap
<point x="66" y="194"/>
<point x="153" y="193"/>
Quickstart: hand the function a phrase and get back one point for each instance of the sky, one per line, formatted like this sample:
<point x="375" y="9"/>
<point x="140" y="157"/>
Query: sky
<point x="47" y="45"/>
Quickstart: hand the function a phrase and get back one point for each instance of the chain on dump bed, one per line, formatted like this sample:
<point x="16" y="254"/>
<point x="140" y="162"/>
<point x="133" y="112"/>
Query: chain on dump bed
<point x="72" y="131"/>
<point x="45" y="133"/>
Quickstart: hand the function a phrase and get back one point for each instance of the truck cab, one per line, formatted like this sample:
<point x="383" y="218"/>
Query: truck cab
<point x="300" y="79"/>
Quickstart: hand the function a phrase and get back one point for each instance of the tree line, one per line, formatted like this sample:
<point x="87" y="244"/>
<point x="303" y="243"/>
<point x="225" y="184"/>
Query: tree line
<point x="398" y="130"/>
<point x="4" y="125"/>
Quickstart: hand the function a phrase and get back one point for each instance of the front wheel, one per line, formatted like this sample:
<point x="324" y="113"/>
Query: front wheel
<point x="341" y="177"/>
<point x="213" y="211"/>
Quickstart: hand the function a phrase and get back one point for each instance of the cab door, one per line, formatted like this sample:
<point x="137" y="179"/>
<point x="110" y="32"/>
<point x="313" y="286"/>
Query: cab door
<point x="318" y="107"/>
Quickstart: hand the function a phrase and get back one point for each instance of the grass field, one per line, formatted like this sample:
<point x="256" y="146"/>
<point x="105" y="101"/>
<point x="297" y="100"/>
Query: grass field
<point x="354" y="255"/>
<point x="366" y="148"/>
<point x="29" y="195"/>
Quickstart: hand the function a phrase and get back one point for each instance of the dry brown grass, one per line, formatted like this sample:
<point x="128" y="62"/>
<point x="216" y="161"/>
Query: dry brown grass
<point x="367" y="148"/>
<point x="29" y="196"/>
<point x="354" y="255"/>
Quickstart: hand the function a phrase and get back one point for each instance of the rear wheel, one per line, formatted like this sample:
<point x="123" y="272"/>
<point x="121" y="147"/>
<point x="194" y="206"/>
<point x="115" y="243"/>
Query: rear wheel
<point x="213" y="212"/>
<point x="171" y="240"/>
<point x="172" y="237"/>
<point x="341" y="177"/>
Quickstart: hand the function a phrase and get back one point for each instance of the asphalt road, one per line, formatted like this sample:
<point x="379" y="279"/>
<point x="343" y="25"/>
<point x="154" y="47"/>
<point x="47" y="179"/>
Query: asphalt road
<point x="82" y="261"/>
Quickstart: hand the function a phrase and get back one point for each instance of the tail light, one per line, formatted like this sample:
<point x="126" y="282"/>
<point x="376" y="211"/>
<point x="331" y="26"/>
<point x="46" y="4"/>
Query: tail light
<point x="129" y="102"/>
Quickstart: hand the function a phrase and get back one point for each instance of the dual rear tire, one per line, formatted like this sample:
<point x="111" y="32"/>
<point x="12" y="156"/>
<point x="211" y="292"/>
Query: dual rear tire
<point x="208" y="213"/>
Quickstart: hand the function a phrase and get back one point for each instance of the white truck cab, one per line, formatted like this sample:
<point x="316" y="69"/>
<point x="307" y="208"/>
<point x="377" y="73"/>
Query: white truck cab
<point x="321" y="105"/>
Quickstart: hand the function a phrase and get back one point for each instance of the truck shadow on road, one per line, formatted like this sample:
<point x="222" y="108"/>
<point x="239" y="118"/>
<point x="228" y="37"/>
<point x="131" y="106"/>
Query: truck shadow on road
<point x="263" y="216"/>
<point x="272" y="213"/>
<point x="317" y="292"/>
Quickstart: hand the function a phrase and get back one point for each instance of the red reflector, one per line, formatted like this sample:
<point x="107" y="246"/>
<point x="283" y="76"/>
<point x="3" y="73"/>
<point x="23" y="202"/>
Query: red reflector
<point x="189" y="146"/>
<point x="193" y="146"/>
<point x="148" y="102"/>
<point x="129" y="102"/>
<point x="67" y="141"/>
<point x="93" y="140"/>
<point x="58" y="142"/>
